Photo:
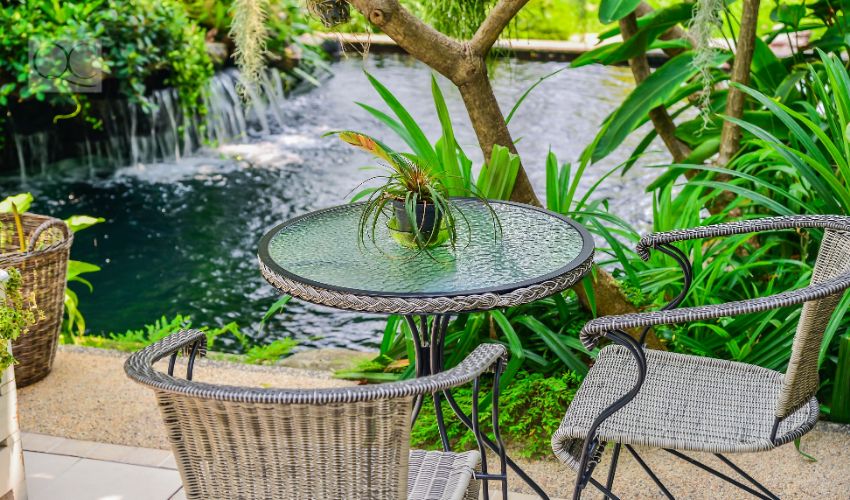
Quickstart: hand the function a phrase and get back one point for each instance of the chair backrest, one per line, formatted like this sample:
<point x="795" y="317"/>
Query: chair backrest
<point x="801" y="378"/>
<point x="227" y="449"/>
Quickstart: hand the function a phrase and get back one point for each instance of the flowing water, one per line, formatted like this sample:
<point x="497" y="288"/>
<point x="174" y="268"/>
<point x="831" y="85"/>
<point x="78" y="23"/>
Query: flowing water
<point x="183" y="224"/>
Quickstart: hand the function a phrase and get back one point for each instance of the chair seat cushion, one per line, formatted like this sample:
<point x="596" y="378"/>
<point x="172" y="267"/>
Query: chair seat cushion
<point x="686" y="403"/>
<point x="437" y="475"/>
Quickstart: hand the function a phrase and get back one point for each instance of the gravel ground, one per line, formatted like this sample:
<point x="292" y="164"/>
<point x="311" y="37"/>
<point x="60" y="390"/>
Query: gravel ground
<point x="88" y="397"/>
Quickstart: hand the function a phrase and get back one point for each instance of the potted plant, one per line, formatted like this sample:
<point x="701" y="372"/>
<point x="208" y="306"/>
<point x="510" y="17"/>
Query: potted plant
<point x="330" y="12"/>
<point x="16" y="318"/>
<point x="414" y="202"/>
<point x="38" y="246"/>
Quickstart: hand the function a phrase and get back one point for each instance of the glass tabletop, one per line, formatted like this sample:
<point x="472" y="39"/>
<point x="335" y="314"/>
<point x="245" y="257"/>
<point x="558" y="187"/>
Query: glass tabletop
<point x="323" y="249"/>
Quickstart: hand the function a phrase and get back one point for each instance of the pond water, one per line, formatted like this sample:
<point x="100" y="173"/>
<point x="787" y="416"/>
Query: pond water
<point x="181" y="236"/>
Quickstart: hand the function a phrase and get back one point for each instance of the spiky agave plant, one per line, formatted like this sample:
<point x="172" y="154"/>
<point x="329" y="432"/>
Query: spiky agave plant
<point x="411" y="190"/>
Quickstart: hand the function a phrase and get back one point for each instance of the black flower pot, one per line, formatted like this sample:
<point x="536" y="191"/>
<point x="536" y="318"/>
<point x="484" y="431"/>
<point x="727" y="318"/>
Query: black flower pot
<point x="428" y="219"/>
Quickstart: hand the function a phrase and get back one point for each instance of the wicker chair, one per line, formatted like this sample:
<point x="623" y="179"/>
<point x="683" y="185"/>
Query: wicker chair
<point x="346" y="443"/>
<point x="637" y="396"/>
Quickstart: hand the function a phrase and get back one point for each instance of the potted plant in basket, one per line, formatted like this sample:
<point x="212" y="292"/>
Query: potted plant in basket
<point x="414" y="202"/>
<point x="39" y="247"/>
<point x="16" y="318"/>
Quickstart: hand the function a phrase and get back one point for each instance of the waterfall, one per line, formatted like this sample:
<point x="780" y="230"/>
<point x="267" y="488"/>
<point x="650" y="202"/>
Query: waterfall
<point x="159" y="130"/>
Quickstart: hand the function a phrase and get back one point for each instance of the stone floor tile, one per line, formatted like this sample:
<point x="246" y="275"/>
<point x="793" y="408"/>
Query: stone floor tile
<point x="40" y="442"/>
<point x="89" y="479"/>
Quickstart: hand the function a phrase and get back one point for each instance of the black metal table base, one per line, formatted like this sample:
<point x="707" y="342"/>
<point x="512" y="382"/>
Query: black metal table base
<point x="429" y="341"/>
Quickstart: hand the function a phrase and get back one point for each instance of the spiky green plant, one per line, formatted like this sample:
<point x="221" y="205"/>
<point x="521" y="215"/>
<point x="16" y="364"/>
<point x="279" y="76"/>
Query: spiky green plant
<point x="409" y="180"/>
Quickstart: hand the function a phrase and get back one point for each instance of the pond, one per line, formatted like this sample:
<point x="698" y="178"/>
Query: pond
<point x="181" y="236"/>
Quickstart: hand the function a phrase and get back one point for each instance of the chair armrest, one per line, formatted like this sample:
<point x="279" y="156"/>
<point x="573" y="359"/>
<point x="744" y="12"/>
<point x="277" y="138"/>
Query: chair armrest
<point x="597" y="328"/>
<point x="836" y="222"/>
<point x="139" y="367"/>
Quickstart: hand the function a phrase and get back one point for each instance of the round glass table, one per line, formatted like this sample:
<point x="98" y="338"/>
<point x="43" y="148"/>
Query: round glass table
<point x="522" y="254"/>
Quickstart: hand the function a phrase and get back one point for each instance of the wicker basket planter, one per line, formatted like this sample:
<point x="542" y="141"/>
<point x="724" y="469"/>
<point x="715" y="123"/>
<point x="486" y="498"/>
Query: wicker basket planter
<point x="44" y="268"/>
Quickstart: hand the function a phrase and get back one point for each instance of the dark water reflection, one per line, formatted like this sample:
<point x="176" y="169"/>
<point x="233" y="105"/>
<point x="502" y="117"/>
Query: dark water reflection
<point x="181" y="237"/>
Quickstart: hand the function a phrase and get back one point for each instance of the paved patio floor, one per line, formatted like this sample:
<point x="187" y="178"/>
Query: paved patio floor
<point x="85" y="470"/>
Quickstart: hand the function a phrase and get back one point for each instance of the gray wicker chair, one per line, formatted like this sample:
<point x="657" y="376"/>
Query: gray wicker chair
<point x="343" y="443"/>
<point x="637" y="396"/>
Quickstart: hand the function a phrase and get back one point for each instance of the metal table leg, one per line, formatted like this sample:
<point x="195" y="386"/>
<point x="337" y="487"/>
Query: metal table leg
<point x="429" y="360"/>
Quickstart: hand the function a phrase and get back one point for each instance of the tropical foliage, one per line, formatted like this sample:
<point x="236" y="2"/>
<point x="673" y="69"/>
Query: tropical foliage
<point x="791" y="159"/>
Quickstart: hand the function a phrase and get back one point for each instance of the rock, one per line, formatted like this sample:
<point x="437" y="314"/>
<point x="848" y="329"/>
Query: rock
<point x="330" y="359"/>
<point x="218" y="53"/>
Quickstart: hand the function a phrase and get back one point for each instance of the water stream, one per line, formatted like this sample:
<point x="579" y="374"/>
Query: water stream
<point x="183" y="223"/>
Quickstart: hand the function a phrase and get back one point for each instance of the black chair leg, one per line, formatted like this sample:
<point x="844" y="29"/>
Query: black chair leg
<point x="612" y="470"/>
<point x="650" y="473"/>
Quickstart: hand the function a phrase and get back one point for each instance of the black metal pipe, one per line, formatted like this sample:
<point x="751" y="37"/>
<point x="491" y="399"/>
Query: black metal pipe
<point x="649" y="472"/>
<point x="612" y="470"/>
<point x="476" y="430"/>
<point x="590" y="442"/>
<point x="687" y="271"/>
<point x="490" y="444"/>
<point x="503" y="466"/>
<point x="719" y="474"/>
<point x="746" y="476"/>
<point x="171" y="362"/>
<point x="191" y="365"/>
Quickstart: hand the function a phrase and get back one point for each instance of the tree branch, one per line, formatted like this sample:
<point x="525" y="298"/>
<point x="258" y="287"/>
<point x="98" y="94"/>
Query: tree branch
<point x="674" y="33"/>
<point x="492" y="27"/>
<point x="730" y="136"/>
<point x="661" y="120"/>
<point x="440" y="52"/>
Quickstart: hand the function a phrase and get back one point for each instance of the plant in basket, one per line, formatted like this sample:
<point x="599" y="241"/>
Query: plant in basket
<point x="39" y="247"/>
<point x="412" y="201"/>
<point x="16" y="317"/>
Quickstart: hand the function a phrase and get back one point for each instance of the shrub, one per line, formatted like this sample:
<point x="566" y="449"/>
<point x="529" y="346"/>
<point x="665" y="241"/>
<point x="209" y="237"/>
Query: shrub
<point x="144" y="42"/>
<point x="531" y="408"/>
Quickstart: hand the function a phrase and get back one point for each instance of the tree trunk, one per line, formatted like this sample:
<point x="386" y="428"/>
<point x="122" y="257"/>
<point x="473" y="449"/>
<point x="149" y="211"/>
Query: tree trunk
<point x="490" y="128"/>
<point x="661" y="120"/>
<point x="730" y="136"/>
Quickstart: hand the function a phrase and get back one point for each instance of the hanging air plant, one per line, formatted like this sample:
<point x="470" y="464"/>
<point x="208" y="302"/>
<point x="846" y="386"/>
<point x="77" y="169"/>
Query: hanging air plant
<point x="704" y="24"/>
<point x="330" y="12"/>
<point x="249" y="33"/>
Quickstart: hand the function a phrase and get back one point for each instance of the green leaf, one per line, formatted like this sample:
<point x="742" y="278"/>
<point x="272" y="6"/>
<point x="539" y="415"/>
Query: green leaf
<point x="768" y="71"/>
<point x="650" y="94"/>
<point x="528" y="91"/>
<point x="22" y="203"/>
<point x="562" y="345"/>
<point x="275" y="308"/>
<point x="614" y="10"/>
<point x="447" y="147"/>
<point x="419" y="142"/>
<point x="497" y="177"/>
<point x="80" y="222"/>
<point x="788" y="14"/>
<point x="645" y="37"/>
